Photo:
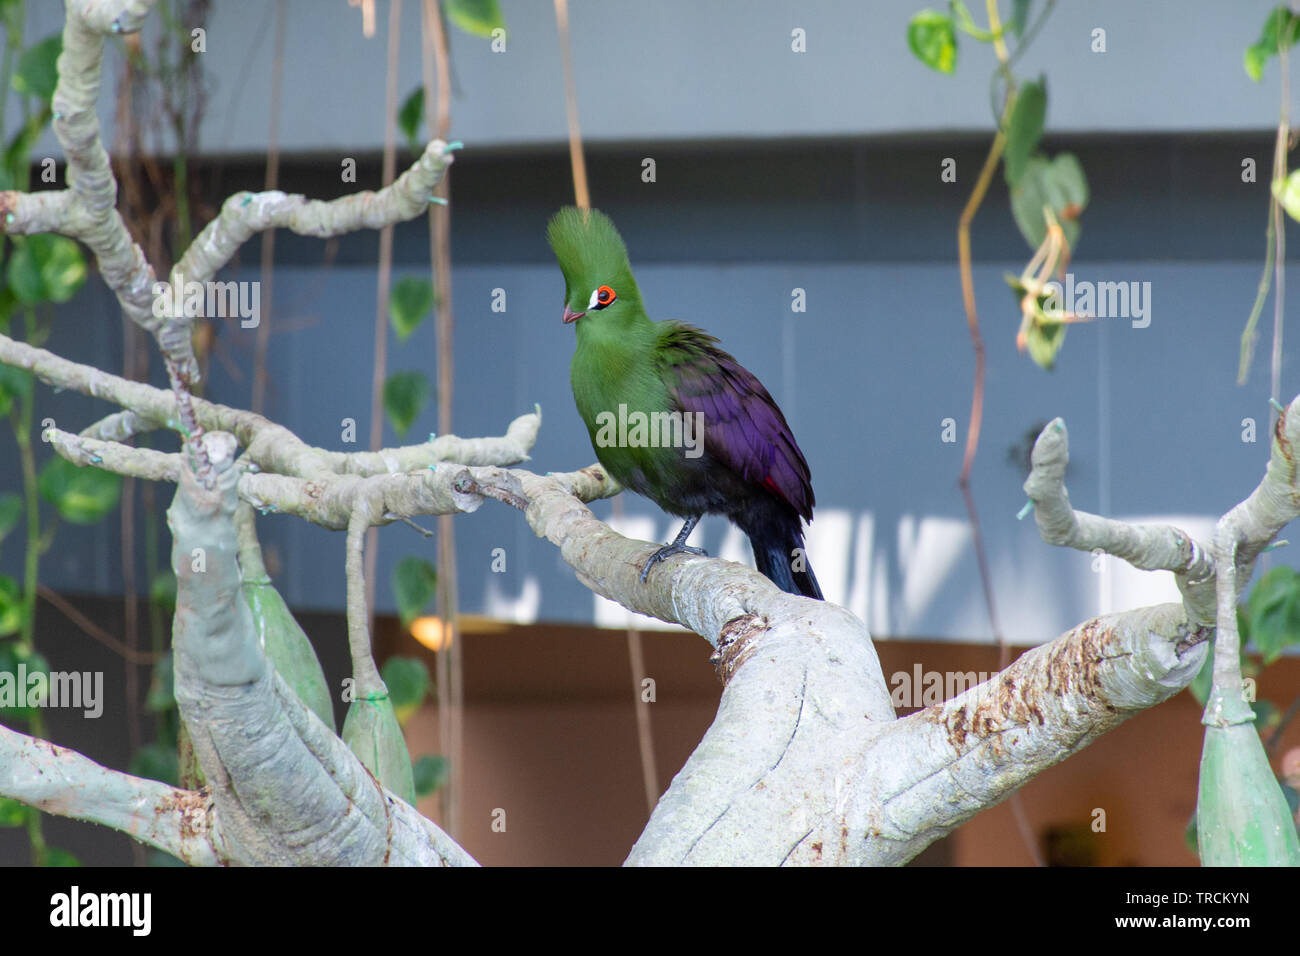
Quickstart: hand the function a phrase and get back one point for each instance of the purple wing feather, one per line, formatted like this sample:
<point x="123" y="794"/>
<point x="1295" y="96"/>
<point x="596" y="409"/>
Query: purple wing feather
<point x="743" y="427"/>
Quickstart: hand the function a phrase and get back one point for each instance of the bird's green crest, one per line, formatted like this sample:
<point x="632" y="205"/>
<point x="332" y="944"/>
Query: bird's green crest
<point x="590" y="253"/>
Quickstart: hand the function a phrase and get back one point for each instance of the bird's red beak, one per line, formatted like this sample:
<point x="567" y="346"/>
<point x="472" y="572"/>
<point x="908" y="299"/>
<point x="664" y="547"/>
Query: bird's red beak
<point x="571" y="316"/>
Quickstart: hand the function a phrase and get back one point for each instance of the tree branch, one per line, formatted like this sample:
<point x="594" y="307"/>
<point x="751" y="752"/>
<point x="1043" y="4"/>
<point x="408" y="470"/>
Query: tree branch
<point x="64" y="783"/>
<point x="273" y="447"/>
<point x="1152" y="547"/>
<point x="286" y="789"/>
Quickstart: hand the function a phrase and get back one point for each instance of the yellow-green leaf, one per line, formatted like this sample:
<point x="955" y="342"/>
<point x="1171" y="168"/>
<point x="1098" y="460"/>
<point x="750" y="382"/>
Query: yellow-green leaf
<point x="933" y="40"/>
<point x="1044" y="340"/>
<point x="11" y="606"/>
<point x="479" y="17"/>
<point x="82" y="495"/>
<point x="1281" y="22"/>
<point x="1287" y="192"/>
<point x="46" y="268"/>
<point x="409" y="304"/>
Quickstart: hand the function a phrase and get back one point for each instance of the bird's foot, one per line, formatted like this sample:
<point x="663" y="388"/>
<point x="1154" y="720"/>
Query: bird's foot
<point x="667" y="551"/>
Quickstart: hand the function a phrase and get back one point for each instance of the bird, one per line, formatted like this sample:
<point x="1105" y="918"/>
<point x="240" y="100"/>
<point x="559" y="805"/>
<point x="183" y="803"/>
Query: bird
<point x="675" y="418"/>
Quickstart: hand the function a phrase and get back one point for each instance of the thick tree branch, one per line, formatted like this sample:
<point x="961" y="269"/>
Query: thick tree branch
<point x="804" y="762"/>
<point x="286" y="789"/>
<point x="64" y="783"/>
<point x="926" y="774"/>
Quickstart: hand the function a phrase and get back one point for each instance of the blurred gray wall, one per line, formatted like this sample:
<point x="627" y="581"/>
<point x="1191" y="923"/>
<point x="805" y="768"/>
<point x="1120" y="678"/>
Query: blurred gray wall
<point x="836" y="192"/>
<point x="710" y="69"/>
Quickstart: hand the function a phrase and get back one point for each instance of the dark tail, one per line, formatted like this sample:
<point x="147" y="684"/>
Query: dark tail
<point x="780" y="557"/>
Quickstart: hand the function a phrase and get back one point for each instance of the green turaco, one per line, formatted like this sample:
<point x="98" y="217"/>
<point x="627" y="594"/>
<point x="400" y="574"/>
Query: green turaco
<point x="674" y="417"/>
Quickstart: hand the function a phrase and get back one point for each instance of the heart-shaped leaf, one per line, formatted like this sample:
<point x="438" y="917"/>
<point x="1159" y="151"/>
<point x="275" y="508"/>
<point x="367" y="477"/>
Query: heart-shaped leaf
<point x="1058" y="184"/>
<point x="1287" y="192"/>
<point x="82" y="495"/>
<point x="408" y="682"/>
<point x="409" y="305"/>
<point x="410" y="116"/>
<point x="405" y="394"/>
<point x="431" y="772"/>
<point x="15" y="383"/>
<point x="46" y="268"/>
<point x="1281" y="22"/>
<point x="37" y="71"/>
<point x="1273" y="609"/>
<point x="1044" y="340"/>
<point x="933" y="41"/>
<point x="415" y="582"/>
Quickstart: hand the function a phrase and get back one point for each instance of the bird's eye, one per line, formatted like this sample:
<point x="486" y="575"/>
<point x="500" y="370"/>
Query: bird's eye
<point x="602" y="297"/>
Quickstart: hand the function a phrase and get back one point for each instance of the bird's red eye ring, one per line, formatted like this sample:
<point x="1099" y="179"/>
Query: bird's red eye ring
<point x="605" y="295"/>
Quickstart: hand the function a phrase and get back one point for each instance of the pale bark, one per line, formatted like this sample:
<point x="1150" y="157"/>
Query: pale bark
<point x="804" y="763"/>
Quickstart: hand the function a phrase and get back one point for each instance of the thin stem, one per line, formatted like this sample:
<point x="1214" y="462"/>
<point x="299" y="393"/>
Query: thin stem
<point x="272" y="182"/>
<point x="379" y="370"/>
<point x="582" y="198"/>
<point x="1249" y="334"/>
<point x="12" y="43"/>
<point x="437" y="70"/>
<point x="1275" y="248"/>
<point x="181" y="190"/>
<point x="968" y="295"/>
<point x="252" y="569"/>
<point x="995" y="27"/>
<point x="1279" y="228"/>
<point x="1226" y="705"/>
<point x="94" y="631"/>
<point x="977" y="392"/>
<point x="644" y="729"/>
<point x="31" y="501"/>
<point x="34" y="547"/>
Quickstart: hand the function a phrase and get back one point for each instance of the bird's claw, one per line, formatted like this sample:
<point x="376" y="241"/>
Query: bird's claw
<point x="667" y="551"/>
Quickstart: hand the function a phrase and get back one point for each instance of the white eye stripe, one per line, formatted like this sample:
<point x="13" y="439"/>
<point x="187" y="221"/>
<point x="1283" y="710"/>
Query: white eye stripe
<point x="595" y="299"/>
